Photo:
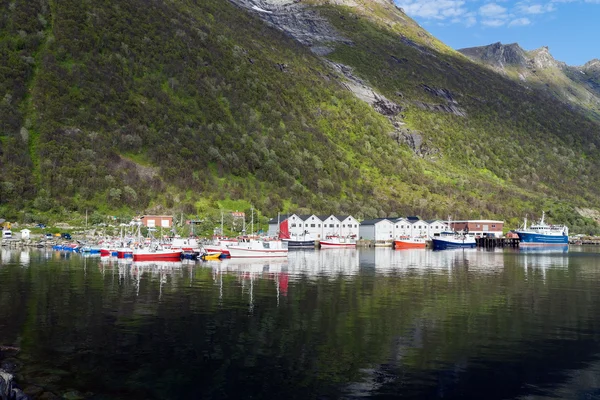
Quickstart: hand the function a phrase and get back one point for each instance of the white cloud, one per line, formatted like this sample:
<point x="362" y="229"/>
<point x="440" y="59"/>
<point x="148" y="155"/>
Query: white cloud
<point x="520" y="22"/>
<point x="431" y="9"/>
<point x="529" y="9"/>
<point x="492" y="10"/>
<point x="488" y="13"/>
<point x="493" y="23"/>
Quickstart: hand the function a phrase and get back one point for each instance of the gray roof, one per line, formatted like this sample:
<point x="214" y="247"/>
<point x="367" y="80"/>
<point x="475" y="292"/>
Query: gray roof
<point x="374" y="221"/>
<point x="342" y="217"/>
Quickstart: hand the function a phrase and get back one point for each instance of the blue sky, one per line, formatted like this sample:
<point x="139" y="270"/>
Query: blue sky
<point x="570" y="28"/>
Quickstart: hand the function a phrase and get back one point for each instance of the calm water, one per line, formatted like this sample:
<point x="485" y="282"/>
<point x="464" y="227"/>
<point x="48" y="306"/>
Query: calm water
<point x="324" y="324"/>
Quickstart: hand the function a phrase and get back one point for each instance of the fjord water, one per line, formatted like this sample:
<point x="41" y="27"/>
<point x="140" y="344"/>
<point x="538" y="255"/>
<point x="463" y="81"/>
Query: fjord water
<point x="327" y="324"/>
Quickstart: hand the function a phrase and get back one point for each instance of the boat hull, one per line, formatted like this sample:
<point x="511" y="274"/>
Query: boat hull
<point x="157" y="256"/>
<point x="235" y="252"/>
<point x="300" y="244"/>
<point x="217" y="249"/>
<point x="443" y="244"/>
<point x="536" y="239"/>
<point x="408" y="244"/>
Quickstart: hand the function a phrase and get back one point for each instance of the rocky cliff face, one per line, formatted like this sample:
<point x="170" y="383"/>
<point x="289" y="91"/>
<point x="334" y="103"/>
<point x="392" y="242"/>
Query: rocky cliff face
<point x="498" y="54"/>
<point x="297" y="20"/>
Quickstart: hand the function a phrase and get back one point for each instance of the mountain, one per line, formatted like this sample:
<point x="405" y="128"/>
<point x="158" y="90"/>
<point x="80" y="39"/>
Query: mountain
<point x="344" y="106"/>
<point x="575" y="86"/>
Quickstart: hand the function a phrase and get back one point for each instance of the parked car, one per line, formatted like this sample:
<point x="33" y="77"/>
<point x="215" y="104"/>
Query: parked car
<point x="48" y="236"/>
<point x="66" y="236"/>
<point x="40" y="226"/>
<point x="6" y="234"/>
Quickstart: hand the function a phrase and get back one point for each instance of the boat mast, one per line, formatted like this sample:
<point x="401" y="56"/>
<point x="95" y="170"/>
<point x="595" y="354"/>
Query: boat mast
<point x="252" y="220"/>
<point x="222" y="223"/>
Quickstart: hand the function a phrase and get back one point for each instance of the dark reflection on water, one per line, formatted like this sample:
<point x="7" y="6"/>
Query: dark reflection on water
<point x="321" y="324"/>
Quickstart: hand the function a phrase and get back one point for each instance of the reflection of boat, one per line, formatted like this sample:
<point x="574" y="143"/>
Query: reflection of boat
<point x="543" y="234"/>
<point x="544" y="249"/>
<point x="251" y="248"/>
<point x="253" y="265"/>
<point x="452" y="240"/>
<point x="157" y="264"/>
<point x="335" y="241"/>
<point x="409" y="242"/>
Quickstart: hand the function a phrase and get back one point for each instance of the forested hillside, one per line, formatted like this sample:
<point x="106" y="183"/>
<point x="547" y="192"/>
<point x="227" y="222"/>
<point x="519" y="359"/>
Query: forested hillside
<point x="149" y="105"/>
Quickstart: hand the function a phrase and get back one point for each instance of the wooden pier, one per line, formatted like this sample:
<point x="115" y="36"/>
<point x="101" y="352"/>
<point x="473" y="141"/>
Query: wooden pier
<point x="491" y="242"/>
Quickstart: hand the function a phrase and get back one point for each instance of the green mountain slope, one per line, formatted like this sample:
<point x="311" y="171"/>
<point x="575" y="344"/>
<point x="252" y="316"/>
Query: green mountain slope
<point x="163" y="106"/>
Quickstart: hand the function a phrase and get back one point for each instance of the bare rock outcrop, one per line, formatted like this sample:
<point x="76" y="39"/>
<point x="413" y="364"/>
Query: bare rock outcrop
<point x="296" y="20"/>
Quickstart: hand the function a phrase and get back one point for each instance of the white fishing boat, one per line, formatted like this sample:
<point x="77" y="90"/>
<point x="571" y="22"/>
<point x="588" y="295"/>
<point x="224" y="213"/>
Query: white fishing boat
<point x="335" y="241"/>
<point x="258" y="248"/>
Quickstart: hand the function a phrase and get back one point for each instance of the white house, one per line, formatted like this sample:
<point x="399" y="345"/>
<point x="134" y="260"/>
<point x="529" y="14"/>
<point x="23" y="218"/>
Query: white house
<point x="318" y="226"/>
<point x="436" y="227"/>
<point x="349" y="226"/>
<point x="25" y="233"/>
<point x="312" y="224"/>
<point x="402" y="227"/>
<point x="331" y="225"/>
<point x="419" y="228"/>
<point x="379" y="229"/>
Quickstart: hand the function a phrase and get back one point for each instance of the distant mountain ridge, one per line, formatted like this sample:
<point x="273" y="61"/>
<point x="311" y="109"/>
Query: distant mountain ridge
<point x="576" y="85"/>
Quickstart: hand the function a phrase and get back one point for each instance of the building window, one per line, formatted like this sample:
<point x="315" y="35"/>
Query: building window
<point x="312" y="225"/>
<point x="337" y="225"/>
<point x="493" y="225"/>
<point x="331" y="225"/>
<point x="293" y="225"/>
<point x="319" y="225"/>
<point x="343" y="225"/>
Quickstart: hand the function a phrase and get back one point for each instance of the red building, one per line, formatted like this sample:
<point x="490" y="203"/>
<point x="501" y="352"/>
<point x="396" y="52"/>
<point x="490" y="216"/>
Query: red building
<point x="484" y="227"/>
<point x="157" y="221"/>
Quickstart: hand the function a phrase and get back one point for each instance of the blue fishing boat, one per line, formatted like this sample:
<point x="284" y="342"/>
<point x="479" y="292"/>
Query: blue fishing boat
<point x="542" y="234"/>
<point x="453" y="240"/>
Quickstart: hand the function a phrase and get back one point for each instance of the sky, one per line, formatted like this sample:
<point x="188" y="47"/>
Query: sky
<point x="570" y="28"/>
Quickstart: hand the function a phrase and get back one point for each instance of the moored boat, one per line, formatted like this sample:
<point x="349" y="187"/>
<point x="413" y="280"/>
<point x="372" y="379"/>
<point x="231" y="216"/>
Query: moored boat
<point x="295" y="241"/>
<point x="542" y="234"/>
<point x="409" y="242"/>
<point x="453" y="240"/>
<point x="124" y="252"/>
<point x="211" y="256"/>
<point x="220" y="245"/>
<point x="334" y="241"/>
<point x="253" y="248"/>
<point x="156" y="253"/>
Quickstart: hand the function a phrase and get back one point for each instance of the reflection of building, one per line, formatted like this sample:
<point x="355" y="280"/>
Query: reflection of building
<point x="157" y="221"/>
